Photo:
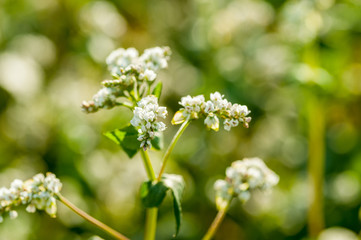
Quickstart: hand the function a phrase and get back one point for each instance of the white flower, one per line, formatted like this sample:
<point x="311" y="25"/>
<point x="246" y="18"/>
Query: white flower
<point x="13" y="214"/>
<point x="104" y="98"/>
<point x="243" y="176"/>
<point x="146" y="117"/>
<point x="37" y="193"/>
<point x="17" y="184"/>
<point x="155" y="58"/>
<point x="31" y="208"/>
<point x="192" y="105"/>
<point x="148" y="75"/>
<point x="212" y="122"/>
<point x="244" y="196"/>
<point x="212" y="110"/>
<point x="220" y="185"/>
<point x="121" y="58"/>
<point x="209" y="107"/>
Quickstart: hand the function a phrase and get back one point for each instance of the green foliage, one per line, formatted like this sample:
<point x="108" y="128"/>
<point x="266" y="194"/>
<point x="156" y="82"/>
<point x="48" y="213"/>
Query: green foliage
<point x="158" y="90"/>
<point x="176" y="184"/>
<point x="126" y="138"/>
<point x="153" y="194"/>
<point x="157" y="142"/>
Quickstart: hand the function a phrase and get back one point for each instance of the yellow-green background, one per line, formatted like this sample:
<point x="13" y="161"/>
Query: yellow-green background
<point x="295" y="64"/>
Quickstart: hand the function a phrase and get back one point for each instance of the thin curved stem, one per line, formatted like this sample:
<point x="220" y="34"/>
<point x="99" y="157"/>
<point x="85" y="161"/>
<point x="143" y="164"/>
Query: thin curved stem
<point x="171" y="146"/>
<point x="92" y="220"/>
<point x="151" y="213"/>
<point x="216" y="222"/>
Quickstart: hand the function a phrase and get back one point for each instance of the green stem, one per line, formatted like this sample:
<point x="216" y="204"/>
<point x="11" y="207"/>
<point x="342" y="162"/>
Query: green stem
<point x="171" y="146"/>
<point x="148" y="165"/>
<point x="151" y="213"/>
<point x="92" y="220"/>
<point x="217" y="222"/>
<point x="316" y="165"/>
<point x="135" y="90"/>
<point x="150" y="223"/>
<point x="316" y="146"/>
<point x="124" y="105"/>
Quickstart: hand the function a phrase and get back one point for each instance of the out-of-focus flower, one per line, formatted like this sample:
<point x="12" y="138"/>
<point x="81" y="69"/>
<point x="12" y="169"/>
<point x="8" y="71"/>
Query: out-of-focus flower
<point x="131" y="74"/>
<point x="242" y="177"/>
<point x="146" y="117"/>
<point x="38" y="192"/>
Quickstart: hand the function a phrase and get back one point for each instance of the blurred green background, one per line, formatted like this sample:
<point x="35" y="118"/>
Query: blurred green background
<point x="295" y="64"/>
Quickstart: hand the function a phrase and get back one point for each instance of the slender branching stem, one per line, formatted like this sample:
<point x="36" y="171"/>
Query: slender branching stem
<point x="171" y="146"/>
<point x="148" y="165"/>
<point x="90" y="219"/>
<point x="124" y="104"/>
<point x="216" y="222"/>
<point x="151" y="213"/>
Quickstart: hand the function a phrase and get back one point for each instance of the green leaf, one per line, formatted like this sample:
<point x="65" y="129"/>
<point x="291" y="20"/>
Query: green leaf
<point x="152" y="195"/>
<point x="176" y="184"/>
<point x="157" y="142"/>
<point x="126" y="138"/>
<point x="158" y="90"/>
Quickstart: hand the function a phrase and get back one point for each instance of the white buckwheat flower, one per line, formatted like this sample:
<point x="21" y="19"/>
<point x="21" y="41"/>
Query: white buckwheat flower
<point x="192" y="106"/>
<point x="146" y="119"/>
<point x="104" y="98"/>
<point x="133" y="76"/>
<point x="242" y="177"/>
<point x="213" y="109"/>
<point x="148" y="75"/>
<point x="37" y="193"/>
<point x="155" y="58"/>
<point x="121" y="58"/>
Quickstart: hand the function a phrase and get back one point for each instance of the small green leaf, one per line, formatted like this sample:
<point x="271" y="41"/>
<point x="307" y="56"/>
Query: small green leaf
<point x="126" y="138"/>
<point x="157" y="142"/>
<point x="152" y="195"/>
<point x="158" y="90"/>
<point x="176" y="184"/>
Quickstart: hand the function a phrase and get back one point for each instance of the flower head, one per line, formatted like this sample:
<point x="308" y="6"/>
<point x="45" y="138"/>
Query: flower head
<point x="242" y="177"/>
<point x="133" y="75"/>
<point x="213" y="109"/>
<point x="38" y="192"/>
<point x="146" y="119"/>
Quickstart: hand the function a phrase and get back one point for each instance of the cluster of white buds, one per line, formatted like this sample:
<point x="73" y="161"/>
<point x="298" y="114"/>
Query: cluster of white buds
<point x="146" y="119"/>
<point x="131" y="73"/>
<point x="38" y="192"/>
<point x="242" y="177"/>
<point x="104" y="98"/>
<point x="213" y="109"/>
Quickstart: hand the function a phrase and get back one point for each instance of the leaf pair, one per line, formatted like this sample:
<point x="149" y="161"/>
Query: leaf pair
<point x="153" y="193"/>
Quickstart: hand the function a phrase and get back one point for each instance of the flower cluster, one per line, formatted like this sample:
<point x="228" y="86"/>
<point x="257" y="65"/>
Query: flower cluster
<point x="133" y="76"/>
<point x="213" y="109"/>
<point x="242" y="177"/>
<point x="146" y="117"/>
<point x="38" y="192"/>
